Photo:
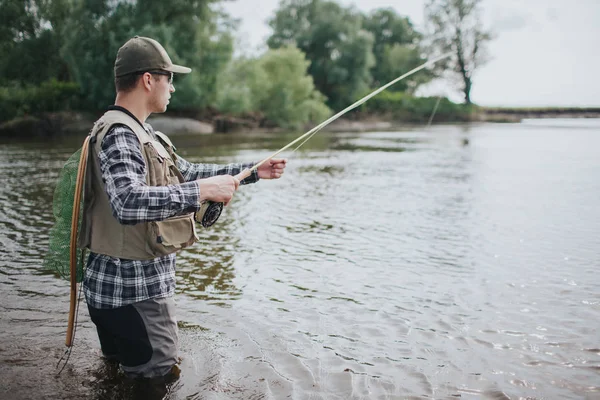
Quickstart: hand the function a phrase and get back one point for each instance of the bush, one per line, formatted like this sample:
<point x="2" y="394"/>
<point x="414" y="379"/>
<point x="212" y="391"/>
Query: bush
<point x="50" y="96"/>
<point x="404" y="107"/>
<point x="276" y="85"/>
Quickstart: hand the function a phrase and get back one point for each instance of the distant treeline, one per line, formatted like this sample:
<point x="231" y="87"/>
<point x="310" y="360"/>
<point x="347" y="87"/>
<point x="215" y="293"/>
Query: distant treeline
<point x="58" y="55"/>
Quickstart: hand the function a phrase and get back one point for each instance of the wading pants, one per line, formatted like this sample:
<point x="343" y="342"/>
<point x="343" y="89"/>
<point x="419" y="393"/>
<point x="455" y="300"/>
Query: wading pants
<point x="141" y="336"/>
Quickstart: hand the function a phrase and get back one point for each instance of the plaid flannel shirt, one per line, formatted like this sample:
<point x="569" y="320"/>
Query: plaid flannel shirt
<point x="111" y="282"/>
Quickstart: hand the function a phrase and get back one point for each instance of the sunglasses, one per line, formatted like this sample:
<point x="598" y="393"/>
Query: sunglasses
<point x="166" y="73"/>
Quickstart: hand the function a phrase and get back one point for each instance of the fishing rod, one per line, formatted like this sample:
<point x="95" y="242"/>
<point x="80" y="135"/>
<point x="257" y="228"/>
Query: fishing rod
<point x="210" y="211"/>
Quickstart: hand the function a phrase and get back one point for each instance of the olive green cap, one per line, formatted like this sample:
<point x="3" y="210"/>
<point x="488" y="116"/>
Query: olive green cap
<point x="140" y="54"/>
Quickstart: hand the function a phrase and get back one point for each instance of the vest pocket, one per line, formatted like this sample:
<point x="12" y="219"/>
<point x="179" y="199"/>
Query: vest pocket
<point x="172" y="234"/>
<point x="156" y="166"/>
<point x="162" y="170"/>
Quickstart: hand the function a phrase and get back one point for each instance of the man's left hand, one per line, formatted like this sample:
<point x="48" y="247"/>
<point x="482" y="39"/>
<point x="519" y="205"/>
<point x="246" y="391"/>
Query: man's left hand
<point x="272" y="169"/>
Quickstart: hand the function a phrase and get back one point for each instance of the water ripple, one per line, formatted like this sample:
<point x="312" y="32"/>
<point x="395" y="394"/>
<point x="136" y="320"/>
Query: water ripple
<point x="384" y="265"/>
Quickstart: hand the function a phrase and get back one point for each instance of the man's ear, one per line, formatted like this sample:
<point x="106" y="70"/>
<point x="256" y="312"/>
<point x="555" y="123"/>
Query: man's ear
<point x="147" y="81"/>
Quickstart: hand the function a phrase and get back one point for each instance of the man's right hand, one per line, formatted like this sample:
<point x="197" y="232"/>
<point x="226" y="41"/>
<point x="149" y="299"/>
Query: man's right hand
<point x="218" y="188"/>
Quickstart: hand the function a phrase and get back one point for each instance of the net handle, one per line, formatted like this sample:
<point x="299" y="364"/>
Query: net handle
<point x="73" y="242"/>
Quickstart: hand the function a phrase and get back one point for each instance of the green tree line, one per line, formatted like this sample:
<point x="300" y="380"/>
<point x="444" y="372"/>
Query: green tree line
<point x="59" y="54"/>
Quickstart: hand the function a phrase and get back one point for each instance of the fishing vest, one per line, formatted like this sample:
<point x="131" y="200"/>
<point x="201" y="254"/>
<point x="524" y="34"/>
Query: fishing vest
<point x="100" y="231"/>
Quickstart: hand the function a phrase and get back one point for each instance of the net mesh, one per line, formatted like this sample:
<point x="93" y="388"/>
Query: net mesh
<point x="58" y="256"/>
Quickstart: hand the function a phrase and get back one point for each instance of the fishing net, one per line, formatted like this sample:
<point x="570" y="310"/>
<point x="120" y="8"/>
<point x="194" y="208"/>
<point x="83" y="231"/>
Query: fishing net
<point x="57" y="259"/>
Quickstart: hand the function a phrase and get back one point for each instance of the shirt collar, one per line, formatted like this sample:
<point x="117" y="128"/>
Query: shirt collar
<point x="126" y="111"/>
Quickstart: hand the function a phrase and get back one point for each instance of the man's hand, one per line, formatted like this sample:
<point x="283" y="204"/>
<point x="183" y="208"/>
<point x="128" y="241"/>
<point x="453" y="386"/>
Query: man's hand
<point x="272" y="169"/>
<point x="218" y="188"/>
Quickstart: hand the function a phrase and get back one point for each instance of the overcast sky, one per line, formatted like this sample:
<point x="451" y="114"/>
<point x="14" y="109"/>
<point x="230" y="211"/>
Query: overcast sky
<point x="546" y="52"/>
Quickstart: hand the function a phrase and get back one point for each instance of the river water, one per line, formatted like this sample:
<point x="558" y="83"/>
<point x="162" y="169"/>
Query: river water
<point x="453" y="262"/>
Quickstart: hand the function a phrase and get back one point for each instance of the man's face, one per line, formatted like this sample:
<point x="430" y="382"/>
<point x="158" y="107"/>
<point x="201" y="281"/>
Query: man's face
<point x="161" y="92"/>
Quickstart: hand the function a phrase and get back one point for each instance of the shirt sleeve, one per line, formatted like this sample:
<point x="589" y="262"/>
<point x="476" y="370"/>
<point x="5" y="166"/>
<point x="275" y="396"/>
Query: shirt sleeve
<point x="192" y="171"/>
<point x="124" y="175"/>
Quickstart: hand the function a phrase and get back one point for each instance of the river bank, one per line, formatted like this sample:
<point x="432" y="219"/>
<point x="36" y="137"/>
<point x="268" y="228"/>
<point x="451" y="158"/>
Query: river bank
<point x="71" y="122"/>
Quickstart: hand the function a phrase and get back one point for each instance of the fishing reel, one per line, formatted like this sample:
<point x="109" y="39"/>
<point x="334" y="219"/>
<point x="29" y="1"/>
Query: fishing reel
<point x="210" y="211"/>
<point x="208" y="214"/>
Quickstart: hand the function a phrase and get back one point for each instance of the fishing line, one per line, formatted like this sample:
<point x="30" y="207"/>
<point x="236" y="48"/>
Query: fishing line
<point x="437" y="103"/>
<point x="317" y="128"/>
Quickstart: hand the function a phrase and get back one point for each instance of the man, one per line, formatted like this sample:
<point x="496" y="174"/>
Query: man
<point x="140" y="200"/>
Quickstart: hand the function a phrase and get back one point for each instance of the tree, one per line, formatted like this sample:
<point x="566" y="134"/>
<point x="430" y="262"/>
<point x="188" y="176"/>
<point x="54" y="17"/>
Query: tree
<point x="45" y="41"/>
<point x="455" y="26"/>
<point x="29" y="50"/>
<point x="275" y="84"/>
<point x="290" y="99"/>
<point x="339" y="50"/>
<point x="18" y="21"/>
<point x="396" y="49"/>
<point x="192" y="33"/>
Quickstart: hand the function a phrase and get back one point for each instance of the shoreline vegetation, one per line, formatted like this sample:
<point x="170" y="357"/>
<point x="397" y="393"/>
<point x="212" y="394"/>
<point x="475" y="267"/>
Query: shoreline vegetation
<point x="320" y="57"/>
<point x="65" y="123"/>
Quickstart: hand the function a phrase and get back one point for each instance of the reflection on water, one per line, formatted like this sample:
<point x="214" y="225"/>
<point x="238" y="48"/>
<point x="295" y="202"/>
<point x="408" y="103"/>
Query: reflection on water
<point x="453" y="262"/>
<point x="206" y="272"/>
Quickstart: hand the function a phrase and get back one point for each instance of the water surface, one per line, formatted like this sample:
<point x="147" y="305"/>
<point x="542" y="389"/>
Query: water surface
<point x="458" y="261"/>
